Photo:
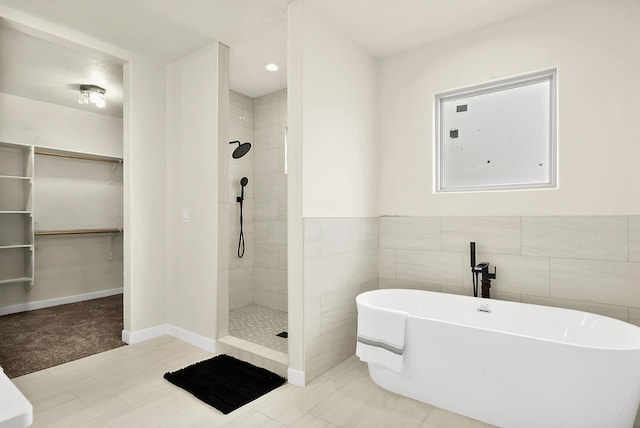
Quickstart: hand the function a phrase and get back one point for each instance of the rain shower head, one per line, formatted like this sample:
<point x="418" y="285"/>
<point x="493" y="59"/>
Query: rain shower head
<point x="241" y="150"/>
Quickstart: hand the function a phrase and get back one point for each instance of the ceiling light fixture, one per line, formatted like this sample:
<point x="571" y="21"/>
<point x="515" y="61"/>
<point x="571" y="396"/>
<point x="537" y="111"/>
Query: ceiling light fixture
<point x="92" y="94"/>
<point x="272" y="67"/>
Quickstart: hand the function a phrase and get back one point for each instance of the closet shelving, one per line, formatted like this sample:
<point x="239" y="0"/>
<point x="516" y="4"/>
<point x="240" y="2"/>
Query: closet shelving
<point x="49" y="151"/>
<point x="16" y="215"/>
<point x="17" y="232"/>
<point x="78" y="231"/>
<point x="82" y="156"/>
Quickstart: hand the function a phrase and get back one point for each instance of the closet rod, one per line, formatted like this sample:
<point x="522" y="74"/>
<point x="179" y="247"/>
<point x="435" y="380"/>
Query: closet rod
<point x="76" y="231"/>
<point x="74" y="156"/>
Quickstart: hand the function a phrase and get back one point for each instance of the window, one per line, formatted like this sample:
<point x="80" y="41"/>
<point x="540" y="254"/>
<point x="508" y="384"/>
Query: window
<point x="497" y="136"/>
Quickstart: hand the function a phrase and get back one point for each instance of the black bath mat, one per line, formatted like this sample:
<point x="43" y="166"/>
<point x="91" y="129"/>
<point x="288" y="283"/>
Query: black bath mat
<point x="224" y="382"/>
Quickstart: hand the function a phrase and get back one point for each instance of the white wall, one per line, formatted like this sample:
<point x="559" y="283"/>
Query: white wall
<point x="340" y="159"/>
<point x="332" y="136"/>
<point x="596" y="47"/>
<point x="27" y="121"/>
<point x="144" y="195"/>
<point x="192" y="183"/>
<point x="295" y="221"/>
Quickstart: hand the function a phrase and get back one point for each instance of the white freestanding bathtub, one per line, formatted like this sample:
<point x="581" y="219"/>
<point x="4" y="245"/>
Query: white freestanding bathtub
<point x="517" y="365"/>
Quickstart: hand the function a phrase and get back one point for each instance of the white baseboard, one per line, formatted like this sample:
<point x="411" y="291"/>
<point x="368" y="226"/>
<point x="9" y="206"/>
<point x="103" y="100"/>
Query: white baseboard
<point x="194" y="339"/>
<point x="133" y="337"/>
<point x="170" y="330"/>
<point x="31" y="306"/>
<point x="295" y="377"/>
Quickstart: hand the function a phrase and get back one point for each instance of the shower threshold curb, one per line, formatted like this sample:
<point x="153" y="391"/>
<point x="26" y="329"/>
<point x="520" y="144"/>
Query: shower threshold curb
<point x="255" y="354"/>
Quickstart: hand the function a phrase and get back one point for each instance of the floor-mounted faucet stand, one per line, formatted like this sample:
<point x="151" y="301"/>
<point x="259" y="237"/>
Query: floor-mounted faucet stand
<point x="486" y="285"/>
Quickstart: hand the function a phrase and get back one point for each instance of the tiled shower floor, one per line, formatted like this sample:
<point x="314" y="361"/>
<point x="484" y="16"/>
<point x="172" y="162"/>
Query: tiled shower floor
<point x="260" y="325"/>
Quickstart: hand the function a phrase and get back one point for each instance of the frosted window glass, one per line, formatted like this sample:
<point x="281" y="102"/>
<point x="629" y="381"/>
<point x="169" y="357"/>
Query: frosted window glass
<point x="500" y="136"/>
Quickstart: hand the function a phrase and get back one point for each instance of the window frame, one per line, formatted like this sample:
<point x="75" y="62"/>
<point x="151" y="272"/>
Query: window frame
<point x="487" y="88"/>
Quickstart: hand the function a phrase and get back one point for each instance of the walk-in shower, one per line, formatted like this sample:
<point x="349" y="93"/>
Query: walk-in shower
<point x="257" y="219"/>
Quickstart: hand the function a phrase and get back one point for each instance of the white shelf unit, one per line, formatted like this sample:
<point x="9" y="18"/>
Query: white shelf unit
<point x="16" y="213"/>
<point x="17" y="225"/>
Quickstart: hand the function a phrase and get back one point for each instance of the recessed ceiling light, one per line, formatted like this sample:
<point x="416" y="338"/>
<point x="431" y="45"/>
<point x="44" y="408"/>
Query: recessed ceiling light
<point x="272" y="67"/>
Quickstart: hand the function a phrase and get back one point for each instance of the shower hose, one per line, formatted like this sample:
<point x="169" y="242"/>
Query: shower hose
<point x="241" y="239"/>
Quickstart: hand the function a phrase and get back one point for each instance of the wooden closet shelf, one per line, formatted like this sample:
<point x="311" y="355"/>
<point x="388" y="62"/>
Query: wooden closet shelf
<point x="77" y="231"/>
<point x="79" y="156"/>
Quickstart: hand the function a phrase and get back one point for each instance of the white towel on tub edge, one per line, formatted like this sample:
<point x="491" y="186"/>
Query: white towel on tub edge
<point x="381" y="336"/>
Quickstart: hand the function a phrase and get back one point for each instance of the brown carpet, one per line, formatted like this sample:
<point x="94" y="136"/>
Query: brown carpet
<point x="36" y="340"/>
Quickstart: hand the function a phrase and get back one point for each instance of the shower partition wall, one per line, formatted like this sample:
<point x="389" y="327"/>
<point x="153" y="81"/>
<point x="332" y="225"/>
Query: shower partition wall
<point x="258" y="280"/>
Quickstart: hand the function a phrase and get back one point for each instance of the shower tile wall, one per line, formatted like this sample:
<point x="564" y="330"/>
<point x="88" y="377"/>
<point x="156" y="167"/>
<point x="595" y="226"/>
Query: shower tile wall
<point x="270" y="199"/>
<point x="241" y="272"/>
<point x="589" y="263"/>
<point x="260" y="277"/>
<point x="341" y="261"/>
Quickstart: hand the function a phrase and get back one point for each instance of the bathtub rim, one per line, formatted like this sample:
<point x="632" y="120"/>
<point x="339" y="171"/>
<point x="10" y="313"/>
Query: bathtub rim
<point x="623" y="324"/>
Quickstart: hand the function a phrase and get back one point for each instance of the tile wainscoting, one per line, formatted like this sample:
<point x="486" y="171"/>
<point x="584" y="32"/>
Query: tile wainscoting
<point x="341" y="261"/>
<point x="589" y="263"/>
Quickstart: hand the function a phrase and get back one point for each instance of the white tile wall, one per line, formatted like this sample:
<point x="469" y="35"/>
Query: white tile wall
<point x="595" y="238"/>
<point x="615" y="283"/>
<point x="634" y="238"/>
<point x="492" y="235"/>
<point x="620" y="312"/>
<point x="520" y="274"/>
<point x="430" y="267"/>
<point x="410" y="233"/>
<point x="386" y="263"/>
<point x="341" y="260"/>
<point x="339" y="235"/>
<point x="270" y="210"/>
<point x="585" y="263"/>
<point x="241" y="273"/>
<point x="634" y="316"/>
<point x="262" y="122"/>
<point x="326" y="274"/>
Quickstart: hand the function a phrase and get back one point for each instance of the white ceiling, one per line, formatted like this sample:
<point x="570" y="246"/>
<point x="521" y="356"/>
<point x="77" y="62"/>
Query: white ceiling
<point x="34" y="68"/>
<point x="255" y="30"/>
<point x="387" y="27"/>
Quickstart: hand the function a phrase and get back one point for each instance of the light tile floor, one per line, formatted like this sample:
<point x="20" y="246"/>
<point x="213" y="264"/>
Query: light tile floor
<point x="259" y="324"/>
<point x="124" y="388"/>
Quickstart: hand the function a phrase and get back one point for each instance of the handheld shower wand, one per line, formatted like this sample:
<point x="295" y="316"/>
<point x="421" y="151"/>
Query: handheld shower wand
<point x="472" y="254"/>
<point x="243" y="182"/>
<point x="240" y="199"/>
